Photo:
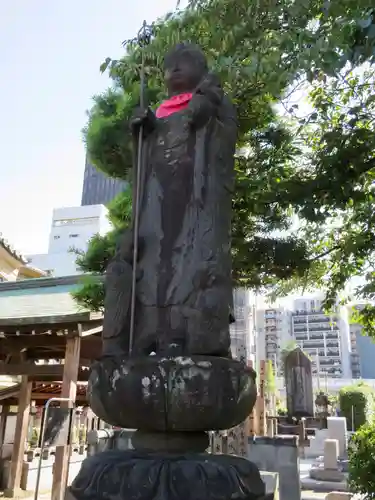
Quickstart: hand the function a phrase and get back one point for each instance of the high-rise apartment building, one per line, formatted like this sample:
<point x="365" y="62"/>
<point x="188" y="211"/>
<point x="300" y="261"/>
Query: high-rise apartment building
<point x="362" y="349"/>
<point x="99" y="189"/>
<point x="273" y="327"/>
<point x="325" y="337"/>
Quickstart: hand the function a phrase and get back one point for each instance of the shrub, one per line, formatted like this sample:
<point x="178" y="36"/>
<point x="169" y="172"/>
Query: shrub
<point x="34" y="438"/>
<point x="362" y="462"/>
<point x="82" y="434"/>
<point x="281" y="412"/>
<point x="74" y="435"/>
<point x="356" y="404"/>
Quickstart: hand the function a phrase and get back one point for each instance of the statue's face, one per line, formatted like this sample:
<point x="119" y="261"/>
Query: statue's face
<point x="184" y="69"/>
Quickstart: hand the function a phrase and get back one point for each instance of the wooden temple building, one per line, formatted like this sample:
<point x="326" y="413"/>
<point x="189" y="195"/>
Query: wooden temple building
<point x="47" y="343"/>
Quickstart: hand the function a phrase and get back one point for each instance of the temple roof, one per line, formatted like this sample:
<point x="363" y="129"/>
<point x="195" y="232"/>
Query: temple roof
<point x="41" y="300"/>
<point x="11" y="250"/>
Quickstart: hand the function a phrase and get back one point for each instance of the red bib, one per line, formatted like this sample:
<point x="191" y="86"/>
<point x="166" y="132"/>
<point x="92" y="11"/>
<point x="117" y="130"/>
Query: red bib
<point x="173" y="104"/>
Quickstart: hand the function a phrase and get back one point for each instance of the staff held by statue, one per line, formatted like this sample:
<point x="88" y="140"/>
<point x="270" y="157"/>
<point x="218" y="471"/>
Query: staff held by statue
<point x="143" y="39"/>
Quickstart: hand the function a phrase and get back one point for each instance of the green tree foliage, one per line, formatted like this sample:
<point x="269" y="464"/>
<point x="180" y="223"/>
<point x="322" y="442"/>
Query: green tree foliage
<point x="362" y="462"/>
<point x="270" y="381"/>
<point x="336" y="214"/>
<point x="286" y="166"/>
<point x="356" y="404"/>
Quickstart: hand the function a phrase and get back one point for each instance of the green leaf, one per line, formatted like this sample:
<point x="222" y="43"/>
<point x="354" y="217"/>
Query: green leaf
<point x="105" y="64"/>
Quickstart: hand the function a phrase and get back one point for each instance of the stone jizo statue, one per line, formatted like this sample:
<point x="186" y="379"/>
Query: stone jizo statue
<point x="184" y="287"/>
<point x="189" y="386"/>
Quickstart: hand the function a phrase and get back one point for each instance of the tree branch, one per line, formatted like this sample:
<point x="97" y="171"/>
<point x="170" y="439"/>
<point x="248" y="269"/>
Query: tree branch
<point x="327" y="252"/>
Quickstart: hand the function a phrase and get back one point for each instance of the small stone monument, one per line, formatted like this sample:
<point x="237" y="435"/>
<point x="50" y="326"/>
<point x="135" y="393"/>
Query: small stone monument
<point x="329" y="469"/>
<point x="298" y="382"/>
<point x="331" y="454"/>
<point x="337" y="430"/>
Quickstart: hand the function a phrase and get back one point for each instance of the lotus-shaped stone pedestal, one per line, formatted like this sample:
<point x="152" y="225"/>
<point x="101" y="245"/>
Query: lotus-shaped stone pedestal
<point x="182" y="394"/>
<point x="172" y="402"/>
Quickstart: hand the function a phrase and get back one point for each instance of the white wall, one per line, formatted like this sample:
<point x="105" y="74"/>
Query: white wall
<point x="242" y="331"/>
<point x="58" y="264"/>
<point x="308" y="304"/>
<point x="329" y="384"/>
<point x="346" y="348"/>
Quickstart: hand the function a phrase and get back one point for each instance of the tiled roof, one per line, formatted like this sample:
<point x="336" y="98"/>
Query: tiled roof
<point x="10" y="249"/>
<point x="38" y="298"/>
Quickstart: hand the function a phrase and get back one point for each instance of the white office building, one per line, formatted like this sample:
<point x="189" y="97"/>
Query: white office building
<point x="325" y="337"/>
<point x="274" y="331"/>
<point x="71" y="228"/>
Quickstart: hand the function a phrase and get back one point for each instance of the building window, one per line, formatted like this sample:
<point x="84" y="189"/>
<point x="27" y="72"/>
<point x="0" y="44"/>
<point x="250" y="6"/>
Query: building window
<point x="73" y="235"/>
<point x="80" y="221"/>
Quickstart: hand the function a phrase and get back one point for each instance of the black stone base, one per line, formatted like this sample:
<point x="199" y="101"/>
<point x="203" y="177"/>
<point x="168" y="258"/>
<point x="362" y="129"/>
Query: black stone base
<point x="180" y="394"/>
<point x="131" y="474"/>
<point x="171" y="442"/>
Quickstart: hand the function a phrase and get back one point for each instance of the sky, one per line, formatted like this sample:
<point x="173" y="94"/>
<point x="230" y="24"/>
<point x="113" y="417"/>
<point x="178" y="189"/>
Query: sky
<point x="49" y="70"/>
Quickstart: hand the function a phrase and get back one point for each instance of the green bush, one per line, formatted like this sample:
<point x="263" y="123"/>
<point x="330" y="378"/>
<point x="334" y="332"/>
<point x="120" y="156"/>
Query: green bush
<point x="34" y="438"/>
<point x="74" y="435"/>
<point x="82" y="434"/>
<point x="356" y="404"/>
<point x="362" y="462"/>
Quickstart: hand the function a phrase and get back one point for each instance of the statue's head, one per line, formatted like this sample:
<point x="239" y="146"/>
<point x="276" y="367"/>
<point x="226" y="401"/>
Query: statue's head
<point x="184" y="67"/>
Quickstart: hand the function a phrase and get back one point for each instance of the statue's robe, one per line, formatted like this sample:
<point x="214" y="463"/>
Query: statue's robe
<point x="184" y="286"/>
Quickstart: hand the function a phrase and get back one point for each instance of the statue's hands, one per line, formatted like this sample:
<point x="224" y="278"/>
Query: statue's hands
<point x="210" y="87"/>
<point x="205" y="101"/>
<point x="125" y="248"/>
<point x="142" y="117"/>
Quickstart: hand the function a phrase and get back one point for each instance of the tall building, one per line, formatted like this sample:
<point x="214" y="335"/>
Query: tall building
<point x="71" y="227"/>
<point x="362" y="349"/>
<point x="99" y="189"/>
<point x="242" y="332"/>
<point x="325" y="337"/>
<point x="273" y="326"/>
<point x="355" y="331"/>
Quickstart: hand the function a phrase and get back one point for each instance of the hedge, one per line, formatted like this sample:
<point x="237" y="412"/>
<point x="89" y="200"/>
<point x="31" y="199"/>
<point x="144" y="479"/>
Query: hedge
<point x="362" y="462"/>
<point x="357" y="404"/>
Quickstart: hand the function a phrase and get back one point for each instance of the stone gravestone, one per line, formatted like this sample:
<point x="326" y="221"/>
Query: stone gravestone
<point x="169" y="373"/>
<point x="298" y="382"/>
<point x="329" y="469"/>
<point x="337" y="430"/>
<point x="331" y="454"/>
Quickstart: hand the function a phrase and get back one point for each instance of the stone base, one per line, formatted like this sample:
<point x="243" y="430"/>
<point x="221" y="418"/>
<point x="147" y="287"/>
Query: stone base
<point x="320" y="474"/>
<point x="271" y="483"/>
<point x="180" y="394"/>
<point x="323" y="486"/>
<point x="125" y="475"/>
<point x="338" y="495"/>
<point x="170" y="442"/>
